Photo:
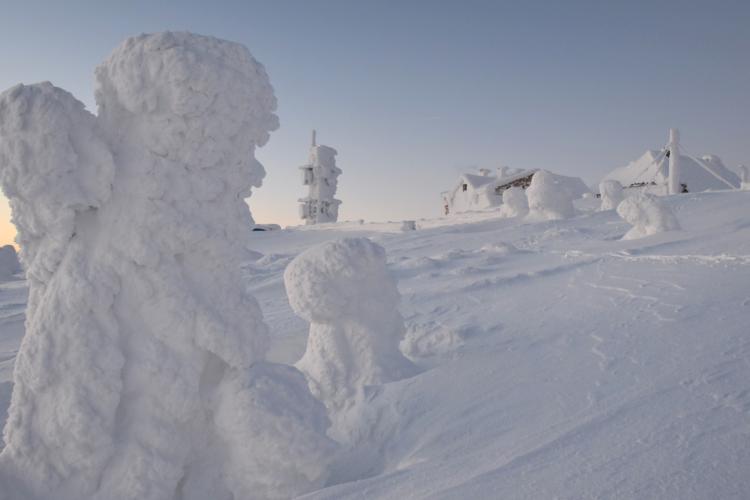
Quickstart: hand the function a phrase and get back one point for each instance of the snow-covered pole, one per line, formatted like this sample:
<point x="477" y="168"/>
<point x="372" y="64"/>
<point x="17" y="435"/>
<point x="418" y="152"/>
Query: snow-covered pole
<point x="744" y="178"/>
<point x="674" y="161"/>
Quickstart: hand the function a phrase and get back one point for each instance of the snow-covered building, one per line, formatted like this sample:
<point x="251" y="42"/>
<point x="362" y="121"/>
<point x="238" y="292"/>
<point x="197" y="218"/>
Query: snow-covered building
<point x="484" y="190"/>
<point x="320" y="175"/>
<point x="650" y="173"/>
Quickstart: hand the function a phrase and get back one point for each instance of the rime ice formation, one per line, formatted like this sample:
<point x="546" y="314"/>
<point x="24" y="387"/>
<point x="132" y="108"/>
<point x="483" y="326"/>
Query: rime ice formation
<point x="57" y="171"/>
<point x="345" y="291"/>
<point x="551" y="196"/>
<point x="9" y="264"/>
<point x="612" y="194"/>
<point x="320" y="174"/>
<point x="140" y="361"/>
<point x="515" y="203"/>
<point x="647" y="215"/>
<point x="54" y="166"/>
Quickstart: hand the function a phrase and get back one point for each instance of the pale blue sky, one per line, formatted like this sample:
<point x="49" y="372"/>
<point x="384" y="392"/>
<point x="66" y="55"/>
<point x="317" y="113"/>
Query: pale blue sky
<point x="413" y="92"/>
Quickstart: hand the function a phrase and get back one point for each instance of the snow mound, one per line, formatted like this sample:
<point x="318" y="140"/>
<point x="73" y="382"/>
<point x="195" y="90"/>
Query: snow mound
<point x="612" y="194"/>
<point x="9" y="264"/>
<point x="551" y="196"/>
<point x="345" y="291"/>
<point x="275" y="431"/>
<point x="408" y="225"/>
<point x="142" y="359"/>
<point x="500" y="248"/>
<point x="647" y="215"/>
<point x="515" y="203"/>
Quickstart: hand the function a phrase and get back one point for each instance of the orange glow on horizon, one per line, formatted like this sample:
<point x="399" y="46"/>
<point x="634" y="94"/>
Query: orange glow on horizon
<point x="7" y="229"/>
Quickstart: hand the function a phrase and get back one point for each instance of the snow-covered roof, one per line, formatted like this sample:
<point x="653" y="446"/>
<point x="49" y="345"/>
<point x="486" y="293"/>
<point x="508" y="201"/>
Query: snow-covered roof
<point x="477" y="181"/>
<point x="516" y="176"/>
<point x="653" y="166"/>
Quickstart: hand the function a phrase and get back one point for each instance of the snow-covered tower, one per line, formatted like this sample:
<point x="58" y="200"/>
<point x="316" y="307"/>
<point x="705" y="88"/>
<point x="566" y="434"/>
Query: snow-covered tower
<point x="320" y="174"/>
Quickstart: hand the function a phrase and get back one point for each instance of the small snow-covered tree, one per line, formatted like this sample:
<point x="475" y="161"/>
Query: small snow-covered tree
<point x="343" y="288"/>
<point x="647" y="215"/>
<point x="551" y="196"/>
<point x="9" y="264"/>
<point x="612" y="194"/>
<point x="515" y="203"/>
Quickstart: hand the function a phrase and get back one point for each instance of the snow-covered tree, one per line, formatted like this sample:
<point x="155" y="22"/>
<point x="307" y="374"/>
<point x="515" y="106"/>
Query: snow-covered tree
<point x="515" y="203"/>
<point x="551" y="196"/>
<point x="612" y="194"/>
<point x="143" y="355"/>
<point x="647" y="214"/>
<point x="9" y="264"/>
<point x="343" y="288"/>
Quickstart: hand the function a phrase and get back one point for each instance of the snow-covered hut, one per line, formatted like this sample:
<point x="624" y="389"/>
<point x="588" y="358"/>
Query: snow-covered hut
<point x="320" y="175"/>
<point x="650" y="173"/>
<point x="483" y="190"/>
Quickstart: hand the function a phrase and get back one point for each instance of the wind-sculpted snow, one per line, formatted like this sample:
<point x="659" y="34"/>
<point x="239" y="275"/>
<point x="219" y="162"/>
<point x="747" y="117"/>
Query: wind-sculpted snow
<point x="345" y="291"/>
<point x="132" y="226"/>
<point x="612" y="194"/>
<point x="647" y="215"/>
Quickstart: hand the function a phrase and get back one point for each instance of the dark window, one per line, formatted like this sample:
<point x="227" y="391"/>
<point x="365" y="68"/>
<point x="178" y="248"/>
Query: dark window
<point x="465" y="187"/>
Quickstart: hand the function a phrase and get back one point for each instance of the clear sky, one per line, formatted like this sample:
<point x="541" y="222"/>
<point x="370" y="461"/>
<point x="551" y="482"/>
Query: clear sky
<point x="411" y="93"/>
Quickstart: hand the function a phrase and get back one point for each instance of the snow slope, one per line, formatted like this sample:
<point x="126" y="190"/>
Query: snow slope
<point x="557" y="361"/>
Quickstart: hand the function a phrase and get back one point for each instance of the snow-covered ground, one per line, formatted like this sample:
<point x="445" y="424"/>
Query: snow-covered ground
<point x="557" y="360"/>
